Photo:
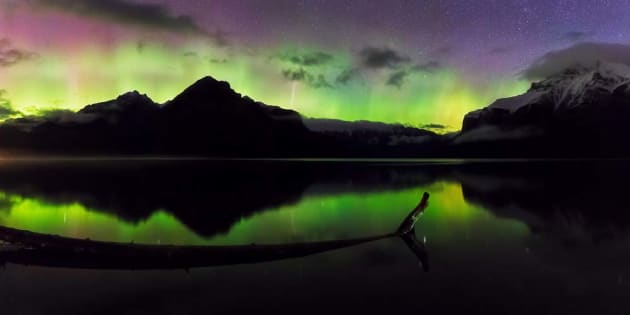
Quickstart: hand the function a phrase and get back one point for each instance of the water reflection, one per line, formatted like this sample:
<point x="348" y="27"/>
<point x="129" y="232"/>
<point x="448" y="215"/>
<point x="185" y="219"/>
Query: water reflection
<point x="527" y="238"/>
<point x="364" y="201"/>
<point x="30" y="248"/>
<point x="209" y="198"/>
<point x="278" y="202"/>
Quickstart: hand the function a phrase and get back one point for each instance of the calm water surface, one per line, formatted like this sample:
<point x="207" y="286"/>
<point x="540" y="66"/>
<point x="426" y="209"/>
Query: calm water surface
<point x="517" y="237"/>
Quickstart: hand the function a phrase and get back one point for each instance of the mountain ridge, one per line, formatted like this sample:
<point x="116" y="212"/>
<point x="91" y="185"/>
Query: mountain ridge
<point x="208" y="118"/>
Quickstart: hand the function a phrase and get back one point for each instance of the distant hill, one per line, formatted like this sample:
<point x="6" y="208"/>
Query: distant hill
<point x="370" y="133"/>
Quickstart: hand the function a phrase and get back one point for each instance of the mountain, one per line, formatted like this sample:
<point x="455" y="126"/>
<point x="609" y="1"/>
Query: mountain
<point x="580" y="112"/>
<point x="208" y="118"/>
<point x="209" y="114"/>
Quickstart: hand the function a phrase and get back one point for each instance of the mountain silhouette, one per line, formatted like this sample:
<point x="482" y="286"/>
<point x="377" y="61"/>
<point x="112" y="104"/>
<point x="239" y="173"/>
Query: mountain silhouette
<point x="209" y="114"/>
<point x="207" y="119"/>
<point x="581" y="112"/>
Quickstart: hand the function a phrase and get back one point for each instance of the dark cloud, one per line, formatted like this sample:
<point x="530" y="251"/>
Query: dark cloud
<point x="307" y="59"/>
<point x="399" y="66"/>
<point x="295" y="75"/>
<point x="397" y="78"/>
<point x="584" y="54"/>
<point x="7" y="112"/>
<point x="153" y="16"/>
<point x="346" y="76"/>
<point x="10" y="56"/>
<point x="321" y="82"/>
<point x="430" y="66"/>
<point x="575" y="36"/>
<point x="317" y="81"/>
<point x="3" y="100"/>
<point x="379" y="58"/>
<point x="6" y="109"/>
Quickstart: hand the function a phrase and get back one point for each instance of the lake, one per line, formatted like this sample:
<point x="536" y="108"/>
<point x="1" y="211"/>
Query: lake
<point x="521" y="237"/>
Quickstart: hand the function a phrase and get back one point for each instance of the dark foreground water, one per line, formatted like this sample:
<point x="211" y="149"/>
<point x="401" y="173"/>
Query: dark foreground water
<point x="501" y="238"/>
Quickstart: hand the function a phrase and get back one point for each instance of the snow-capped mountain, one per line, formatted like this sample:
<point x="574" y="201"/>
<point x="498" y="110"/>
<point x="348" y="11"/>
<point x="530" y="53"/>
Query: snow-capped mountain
<point x="575" y="89"/>
<point x="579" y="112"/>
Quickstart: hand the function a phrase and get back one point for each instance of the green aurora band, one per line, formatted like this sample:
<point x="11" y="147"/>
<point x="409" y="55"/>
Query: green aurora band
<point x="62" y="80"/>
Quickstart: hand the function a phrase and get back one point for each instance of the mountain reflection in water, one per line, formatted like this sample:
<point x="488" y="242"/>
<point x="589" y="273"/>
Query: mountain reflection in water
<point x="220" y="203"/>
<point x="530" y="230"/>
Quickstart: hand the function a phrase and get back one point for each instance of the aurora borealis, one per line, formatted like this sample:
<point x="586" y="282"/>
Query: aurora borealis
<point x="413" y="62"/>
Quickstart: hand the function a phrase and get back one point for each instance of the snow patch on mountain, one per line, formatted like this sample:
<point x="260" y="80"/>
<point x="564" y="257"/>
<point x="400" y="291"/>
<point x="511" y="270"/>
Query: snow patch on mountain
<point x="573" y="87"/>
<point x="514" y="103"/>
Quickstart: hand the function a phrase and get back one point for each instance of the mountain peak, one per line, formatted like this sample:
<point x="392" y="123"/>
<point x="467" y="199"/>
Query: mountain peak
<point x="210" y="83"/>
<point x="572" y="93"/>
<point x="134" y="97"/>
<point x="573" y="87"/>
<point x="209" y="80"/>
<point x="133" y="100"/>
<point x="204" y="89"/>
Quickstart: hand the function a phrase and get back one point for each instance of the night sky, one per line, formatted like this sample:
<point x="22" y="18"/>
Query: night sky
<point x="415" y="62"/>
